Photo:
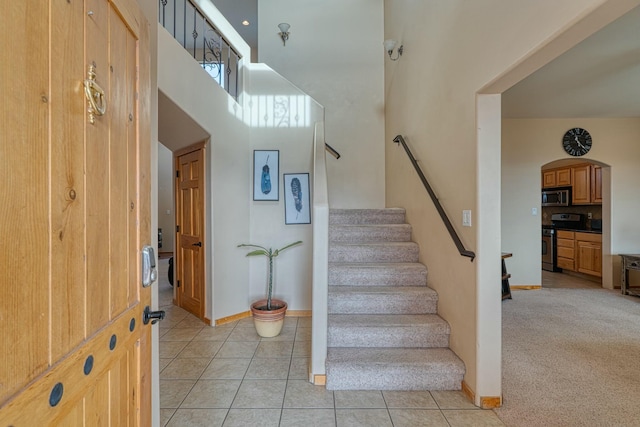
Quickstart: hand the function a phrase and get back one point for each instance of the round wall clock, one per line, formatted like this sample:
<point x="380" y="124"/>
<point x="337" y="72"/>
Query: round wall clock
<point x="577" y="142"/>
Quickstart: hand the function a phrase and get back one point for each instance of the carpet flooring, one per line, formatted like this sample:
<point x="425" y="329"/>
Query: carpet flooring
<point x="571" y="357"/>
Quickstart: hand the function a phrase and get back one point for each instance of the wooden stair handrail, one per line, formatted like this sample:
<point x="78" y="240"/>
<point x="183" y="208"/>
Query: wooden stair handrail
<point x="443" y="215"/>
<point x="331" y="150"/>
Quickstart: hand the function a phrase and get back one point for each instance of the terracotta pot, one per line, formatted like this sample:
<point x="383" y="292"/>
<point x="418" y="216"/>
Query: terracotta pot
<point x="268" y="323"/>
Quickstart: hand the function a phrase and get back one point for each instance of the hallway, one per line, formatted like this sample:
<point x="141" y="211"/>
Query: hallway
<point x="229" y="376"/>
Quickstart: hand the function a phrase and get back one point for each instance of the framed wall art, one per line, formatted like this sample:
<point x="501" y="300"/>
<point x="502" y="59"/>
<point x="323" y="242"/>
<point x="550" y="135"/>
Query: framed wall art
<point x="296" y="198"/>
<point x="266" y="169"/>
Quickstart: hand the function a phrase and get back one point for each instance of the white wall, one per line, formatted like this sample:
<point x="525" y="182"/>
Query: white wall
<point x="281" y="118"/>
<point x="335" y="54"/>
<point x="527" y="144"/>
<point x="272" y="114"/>
<point x="452" y="50"/>
<point x="183" y="81"/>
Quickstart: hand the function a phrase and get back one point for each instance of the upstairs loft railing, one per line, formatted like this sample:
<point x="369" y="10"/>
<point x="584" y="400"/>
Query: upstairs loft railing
<point x="193" y="30"/>
<point x="443" y="215"/>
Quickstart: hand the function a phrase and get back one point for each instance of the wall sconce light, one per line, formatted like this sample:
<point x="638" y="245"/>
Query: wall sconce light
<point x="389" y="45"/>
<point x="284" y="32"/>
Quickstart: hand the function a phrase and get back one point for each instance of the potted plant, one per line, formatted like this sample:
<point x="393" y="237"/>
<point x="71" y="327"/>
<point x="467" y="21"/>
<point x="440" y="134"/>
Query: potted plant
<point x="268" y="314"/>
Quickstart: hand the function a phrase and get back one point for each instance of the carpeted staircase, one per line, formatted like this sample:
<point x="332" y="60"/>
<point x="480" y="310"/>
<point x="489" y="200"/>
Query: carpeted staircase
<point x="383" y="332"/>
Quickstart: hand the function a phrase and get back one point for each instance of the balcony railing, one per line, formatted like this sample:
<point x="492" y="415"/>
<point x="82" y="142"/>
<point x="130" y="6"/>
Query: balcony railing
<point x="191" y="28"/>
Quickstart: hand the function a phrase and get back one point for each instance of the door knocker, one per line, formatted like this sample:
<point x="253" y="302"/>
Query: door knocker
<point x="95" y="96"/>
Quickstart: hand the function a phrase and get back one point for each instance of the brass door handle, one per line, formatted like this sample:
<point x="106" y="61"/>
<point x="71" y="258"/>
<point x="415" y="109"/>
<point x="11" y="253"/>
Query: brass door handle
<point x="95" y="96"/>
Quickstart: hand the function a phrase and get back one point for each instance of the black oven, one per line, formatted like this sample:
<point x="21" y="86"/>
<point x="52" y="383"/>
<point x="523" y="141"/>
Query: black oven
<point x="549" y="249"/>
<point x="566" y="221"/>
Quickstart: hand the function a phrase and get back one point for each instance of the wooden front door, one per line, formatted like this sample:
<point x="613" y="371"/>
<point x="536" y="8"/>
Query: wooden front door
<point x="189" y="288"/>
<point x="75" y="214"/>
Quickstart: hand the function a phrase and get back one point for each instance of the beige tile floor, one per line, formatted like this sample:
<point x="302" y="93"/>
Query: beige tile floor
<point x="229" y="376"/>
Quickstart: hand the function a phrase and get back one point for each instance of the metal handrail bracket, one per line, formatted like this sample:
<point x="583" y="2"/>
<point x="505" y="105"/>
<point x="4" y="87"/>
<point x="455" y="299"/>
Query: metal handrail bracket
<point x="443" y="215"/>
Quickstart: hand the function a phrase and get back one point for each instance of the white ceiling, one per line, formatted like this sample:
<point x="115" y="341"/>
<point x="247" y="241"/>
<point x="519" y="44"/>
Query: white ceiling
<point x="237" y="11"/>
<point x="599" y="77"/>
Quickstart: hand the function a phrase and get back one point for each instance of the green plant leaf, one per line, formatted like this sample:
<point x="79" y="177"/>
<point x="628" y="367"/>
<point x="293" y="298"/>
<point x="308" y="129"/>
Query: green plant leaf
<point x="288" y="246"/>
<point x="258" y="252"/>
<point x="246" y="245"/>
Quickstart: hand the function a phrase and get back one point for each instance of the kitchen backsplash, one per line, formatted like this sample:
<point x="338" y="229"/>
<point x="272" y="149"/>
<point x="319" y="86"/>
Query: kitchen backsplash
<point x="595" y="210"/>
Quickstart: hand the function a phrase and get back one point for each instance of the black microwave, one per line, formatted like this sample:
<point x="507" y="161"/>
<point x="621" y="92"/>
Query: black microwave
<point x="556" y="197"/>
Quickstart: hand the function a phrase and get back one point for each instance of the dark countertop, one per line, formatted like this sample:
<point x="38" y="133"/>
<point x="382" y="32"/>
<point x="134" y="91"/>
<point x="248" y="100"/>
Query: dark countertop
<point x="580" y="231"/>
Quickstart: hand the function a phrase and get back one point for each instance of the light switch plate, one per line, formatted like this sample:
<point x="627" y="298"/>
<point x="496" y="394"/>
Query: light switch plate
<point x="466" y="218"/>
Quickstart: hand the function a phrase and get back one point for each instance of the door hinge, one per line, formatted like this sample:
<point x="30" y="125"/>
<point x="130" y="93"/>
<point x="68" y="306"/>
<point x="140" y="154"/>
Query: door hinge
<point x="178" y="284"/>
<point x="177" y="174"/>
<point x="177" y="228"/>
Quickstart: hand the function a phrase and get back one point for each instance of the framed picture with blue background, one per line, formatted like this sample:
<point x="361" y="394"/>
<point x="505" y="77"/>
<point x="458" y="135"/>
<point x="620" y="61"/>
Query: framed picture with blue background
<point x="266" y="169"/>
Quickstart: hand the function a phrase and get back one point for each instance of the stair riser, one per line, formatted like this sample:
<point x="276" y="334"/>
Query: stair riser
<point x="416" y="337"/>
<point x="366" y="276"/>
<point x="367" y="234"/>
<point x="374" y="253"/>
<point x="367" y="216"/>
<point x="390" y="378"/>
<point x="388" y="304"/>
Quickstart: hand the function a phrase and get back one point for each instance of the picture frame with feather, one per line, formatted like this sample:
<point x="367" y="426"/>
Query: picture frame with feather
<point x="296" y="198"/>
<point x="266" y="168"/>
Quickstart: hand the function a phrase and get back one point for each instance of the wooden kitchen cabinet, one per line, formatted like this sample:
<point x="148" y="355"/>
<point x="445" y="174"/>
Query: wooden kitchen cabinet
<point x="596" y="184"/>
<point x="587" y="184"/>
<point x="556" y="178"/>
<point x="565" y="245"/>
<point x="588" y="252"/>
<point x="581" y="176"/>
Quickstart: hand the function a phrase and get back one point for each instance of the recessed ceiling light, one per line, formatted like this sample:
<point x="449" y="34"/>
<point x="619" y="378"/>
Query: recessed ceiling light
<point x="245" y="22"/>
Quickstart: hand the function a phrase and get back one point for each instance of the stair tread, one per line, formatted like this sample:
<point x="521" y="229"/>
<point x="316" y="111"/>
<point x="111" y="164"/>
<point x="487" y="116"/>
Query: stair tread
<point x="380" y="265"/>
<point x="422" y="291"/>
<point x="384" y="320"/>
<point x="335" y="245"/>
<point x="395" y="356"/>
<point x="373" y="225"/>
<point x="364" y="210"/>
<point x="367" y="216"/>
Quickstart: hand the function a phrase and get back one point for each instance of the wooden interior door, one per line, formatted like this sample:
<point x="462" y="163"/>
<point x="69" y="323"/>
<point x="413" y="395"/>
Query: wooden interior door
<point x="189" y="261"/>
<point x="75" y="214"/>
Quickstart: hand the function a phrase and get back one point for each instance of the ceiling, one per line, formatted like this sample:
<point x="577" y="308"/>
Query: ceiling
<point x="599" y="77"/>
<point x="237" y="11"/>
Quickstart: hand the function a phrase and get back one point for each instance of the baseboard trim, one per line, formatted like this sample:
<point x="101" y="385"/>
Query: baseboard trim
<point x="298" y="313"/>
<point x="525" y="287"/>
<point x="208" y="321"/>
<point x="245" y="314"/>
<point x="467" y="391"/>
<point x="490" y="402"/>
<point x="233" y="318"/>
<point x="486" y="402"/>
<point x="320" y="380"/>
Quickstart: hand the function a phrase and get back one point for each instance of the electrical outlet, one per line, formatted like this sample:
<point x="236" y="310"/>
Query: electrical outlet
<point x="534" y="211"/>
<point x="589" y="215"/>
<point x="466" y="218"/>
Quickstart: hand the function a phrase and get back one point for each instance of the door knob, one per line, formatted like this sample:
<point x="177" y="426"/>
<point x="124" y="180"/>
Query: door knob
<point x="152" y="316"/>
<point x="197" y="244"/>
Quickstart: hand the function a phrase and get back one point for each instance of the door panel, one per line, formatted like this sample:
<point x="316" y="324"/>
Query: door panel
<point x="76" y="209"/>
<point x="190" y="237"/>
<point x="23" y="152"/>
